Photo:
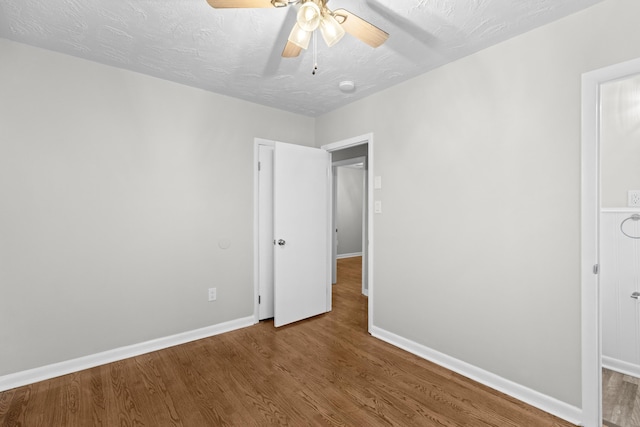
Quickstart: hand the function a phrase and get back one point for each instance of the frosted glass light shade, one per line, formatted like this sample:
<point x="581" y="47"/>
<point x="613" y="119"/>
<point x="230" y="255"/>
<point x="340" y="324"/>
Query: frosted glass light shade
<point x="300" y="37"/>
<point x="331" y="31"/>
<point x="309" y="16"/>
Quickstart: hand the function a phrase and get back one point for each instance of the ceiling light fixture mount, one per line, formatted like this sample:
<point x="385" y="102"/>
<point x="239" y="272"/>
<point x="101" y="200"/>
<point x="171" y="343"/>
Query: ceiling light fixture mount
<point x="347" y="86"/>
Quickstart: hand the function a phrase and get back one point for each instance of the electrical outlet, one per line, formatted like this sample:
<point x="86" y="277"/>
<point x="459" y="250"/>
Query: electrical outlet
<point x="212" y="294"/>
<point x="634" y="198"/>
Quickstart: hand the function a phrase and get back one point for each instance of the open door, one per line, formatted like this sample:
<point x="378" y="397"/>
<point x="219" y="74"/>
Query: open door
<point x="301" y="222"/>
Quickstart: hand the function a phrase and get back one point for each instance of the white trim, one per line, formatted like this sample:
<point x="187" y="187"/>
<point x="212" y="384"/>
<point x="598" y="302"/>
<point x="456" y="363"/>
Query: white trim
<point x="42" y="373"/>
<point x="352" y="255"/>
<point x="365" y="226"/>
<point x="352" y="142"/>
<point x="329" y="235"/>
<point x="541" y="401"/>
<point x="334" y="225"/>
<point x="591" y="347"/>
<point x="256" y="218"/>
<point x="590" y="206"/>
<point x="620" y="210"/>
<point x="621" y="366"/>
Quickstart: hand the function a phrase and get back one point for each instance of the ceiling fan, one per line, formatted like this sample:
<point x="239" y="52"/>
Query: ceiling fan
<point x="314" y="14"/>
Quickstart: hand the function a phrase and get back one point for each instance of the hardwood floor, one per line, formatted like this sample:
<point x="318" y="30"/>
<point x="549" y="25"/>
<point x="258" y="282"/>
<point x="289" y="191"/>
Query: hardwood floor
<point x="322" y="371"/>
<point x="620" y="400"/>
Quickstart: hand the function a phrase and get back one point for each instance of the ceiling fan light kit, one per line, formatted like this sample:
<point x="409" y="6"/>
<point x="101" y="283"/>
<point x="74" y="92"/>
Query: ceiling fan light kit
<point x="331" y="31"/>
<point x="311" y="15"/>
<point x="300" y="37"/>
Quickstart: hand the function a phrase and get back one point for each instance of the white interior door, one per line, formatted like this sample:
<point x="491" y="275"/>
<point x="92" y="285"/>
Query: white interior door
<point x="302" y="249"/>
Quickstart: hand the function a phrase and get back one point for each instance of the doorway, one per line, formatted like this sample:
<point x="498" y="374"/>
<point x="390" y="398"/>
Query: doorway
<point x="619" y="248"/>
<point x="350" y="209"/>
<point x="366" y="141"/>
<point x="594" y="272"/>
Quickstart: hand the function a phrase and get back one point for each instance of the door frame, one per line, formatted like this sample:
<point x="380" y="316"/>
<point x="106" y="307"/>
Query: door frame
<point x="257" y="142"/>
<point x="366" y="139"/>
<point x="265" y="201"/>
<point x="590" y="243"/>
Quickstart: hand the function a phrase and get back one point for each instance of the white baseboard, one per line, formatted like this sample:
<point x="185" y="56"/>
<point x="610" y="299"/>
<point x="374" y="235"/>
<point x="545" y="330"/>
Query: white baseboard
<point x="625" y="368"/>
<point x="354" y="254"/>
<point x="541" y="401"/>
<point x="42" y="373"/>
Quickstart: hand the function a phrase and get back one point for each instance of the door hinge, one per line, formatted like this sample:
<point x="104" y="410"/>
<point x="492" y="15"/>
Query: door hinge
<point x="259" y="299"/>
<point x="259" y="166"/>
<point x="596" y="269"/>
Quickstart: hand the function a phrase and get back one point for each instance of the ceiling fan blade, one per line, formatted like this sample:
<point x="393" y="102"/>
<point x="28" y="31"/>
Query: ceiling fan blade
<point x="291" y="50"/>
<point x="221" y="4"/>
<point x="359" y="28"/>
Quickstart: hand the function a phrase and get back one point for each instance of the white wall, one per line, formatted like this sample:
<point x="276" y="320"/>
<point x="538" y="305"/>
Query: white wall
<point x="477" y="248"/>
<point x="350" y="189"/>
<point x="115" y="192"/>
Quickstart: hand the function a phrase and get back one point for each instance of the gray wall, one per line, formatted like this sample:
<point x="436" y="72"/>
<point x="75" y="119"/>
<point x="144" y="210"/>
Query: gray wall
<point x="350" y="189"/>
<point x="115" y="191"/>
<point x="477" y="250"/>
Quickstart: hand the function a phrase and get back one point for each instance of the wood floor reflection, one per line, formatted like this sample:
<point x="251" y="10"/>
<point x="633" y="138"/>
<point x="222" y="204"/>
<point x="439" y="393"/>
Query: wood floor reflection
<point x="323" y="371"/>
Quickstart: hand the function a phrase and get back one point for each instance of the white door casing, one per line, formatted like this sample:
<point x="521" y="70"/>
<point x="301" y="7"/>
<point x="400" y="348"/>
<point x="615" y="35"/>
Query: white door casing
<point x="301" y="180"/>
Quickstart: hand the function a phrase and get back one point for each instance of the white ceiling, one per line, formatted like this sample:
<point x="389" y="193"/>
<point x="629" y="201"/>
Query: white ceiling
<point x="236" y="52"/>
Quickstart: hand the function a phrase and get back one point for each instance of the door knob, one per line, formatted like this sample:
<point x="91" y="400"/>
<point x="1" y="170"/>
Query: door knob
<point x="281" y="242"/>
<point x="635" y="295"/>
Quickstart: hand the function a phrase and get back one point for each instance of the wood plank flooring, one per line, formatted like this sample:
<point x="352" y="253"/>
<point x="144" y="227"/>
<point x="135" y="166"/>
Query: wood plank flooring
<point x="620" y="399"/>
<point x="323" y="371"/>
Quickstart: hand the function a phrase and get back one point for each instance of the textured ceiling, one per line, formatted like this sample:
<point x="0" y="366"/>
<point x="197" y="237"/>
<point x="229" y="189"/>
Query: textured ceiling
<point x="236" y="52"/>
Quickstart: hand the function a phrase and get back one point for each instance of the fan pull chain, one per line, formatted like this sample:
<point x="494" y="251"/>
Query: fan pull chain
<point x="315" y="54"/>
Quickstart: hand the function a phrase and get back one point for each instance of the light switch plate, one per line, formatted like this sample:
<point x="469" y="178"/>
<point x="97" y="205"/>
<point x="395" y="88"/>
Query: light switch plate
<point x="633" y="198"/>
<point x="377" y="182"/>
